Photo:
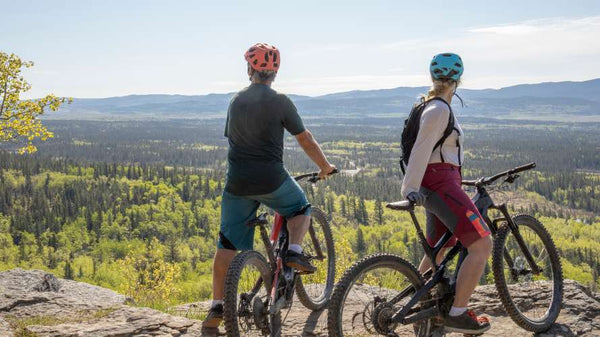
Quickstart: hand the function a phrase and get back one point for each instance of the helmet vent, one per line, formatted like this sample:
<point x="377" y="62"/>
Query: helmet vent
<point x="458" y="65"/>
<point x="262" y="65"/>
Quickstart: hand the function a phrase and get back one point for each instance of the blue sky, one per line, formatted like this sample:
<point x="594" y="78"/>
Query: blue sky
<point x="112" y="48"/>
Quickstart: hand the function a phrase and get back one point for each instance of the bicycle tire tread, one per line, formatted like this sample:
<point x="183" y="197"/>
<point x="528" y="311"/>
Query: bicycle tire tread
<point x="502" y="287"/>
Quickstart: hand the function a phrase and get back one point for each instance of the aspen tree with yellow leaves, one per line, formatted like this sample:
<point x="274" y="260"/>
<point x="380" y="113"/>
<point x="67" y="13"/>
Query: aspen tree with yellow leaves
<point x="19" y="119"/>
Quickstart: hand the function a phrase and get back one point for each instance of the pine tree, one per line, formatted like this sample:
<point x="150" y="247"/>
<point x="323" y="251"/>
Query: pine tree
<point x="361" y="245"/>
<point x="68" y="271"/>
<point x="379" y="211"/>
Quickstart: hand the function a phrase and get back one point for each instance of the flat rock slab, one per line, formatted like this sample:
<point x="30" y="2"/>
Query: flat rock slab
<point x="125" y="321"/>
<point x="81" y="309"/>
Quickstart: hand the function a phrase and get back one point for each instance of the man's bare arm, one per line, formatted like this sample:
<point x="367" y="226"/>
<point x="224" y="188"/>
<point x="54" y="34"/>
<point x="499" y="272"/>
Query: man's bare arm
<point x="314" y="152"/>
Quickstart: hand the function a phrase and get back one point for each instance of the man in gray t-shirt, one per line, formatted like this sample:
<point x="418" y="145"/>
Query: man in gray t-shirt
<point x="256" y="120"/>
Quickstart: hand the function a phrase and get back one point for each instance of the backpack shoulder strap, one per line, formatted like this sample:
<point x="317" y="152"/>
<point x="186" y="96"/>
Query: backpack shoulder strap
<point x="449" y="128"/>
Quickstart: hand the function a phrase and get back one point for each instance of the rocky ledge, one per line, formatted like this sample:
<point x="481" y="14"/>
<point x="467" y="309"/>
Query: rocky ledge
<point x="35" y="303"/>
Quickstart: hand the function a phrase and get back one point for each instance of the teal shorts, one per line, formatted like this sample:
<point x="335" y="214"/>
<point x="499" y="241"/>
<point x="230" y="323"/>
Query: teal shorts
<point x="288" y="200"/>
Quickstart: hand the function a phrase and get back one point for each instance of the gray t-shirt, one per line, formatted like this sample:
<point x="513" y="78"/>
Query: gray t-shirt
<point x="256" y="119"/>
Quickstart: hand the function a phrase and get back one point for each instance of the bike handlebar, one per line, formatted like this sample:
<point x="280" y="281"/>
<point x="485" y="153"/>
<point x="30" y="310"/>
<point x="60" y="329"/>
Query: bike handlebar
<point x="313" y="177"/>
<point x="488" y="180"/>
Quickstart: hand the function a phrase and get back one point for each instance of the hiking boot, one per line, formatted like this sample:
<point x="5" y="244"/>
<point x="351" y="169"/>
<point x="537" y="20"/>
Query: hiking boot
<point x="299" y="261"/>
<point x="210" y="325"/>
<point x="467" y="323"/>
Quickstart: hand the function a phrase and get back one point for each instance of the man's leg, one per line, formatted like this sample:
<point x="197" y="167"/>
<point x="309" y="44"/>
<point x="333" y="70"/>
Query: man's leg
<point x="234" y="235"/>
<point x="290" y="201"/>
<point x="297" y="227"/>
<point x="221" y="263"/>
<point x="210" y="325"/>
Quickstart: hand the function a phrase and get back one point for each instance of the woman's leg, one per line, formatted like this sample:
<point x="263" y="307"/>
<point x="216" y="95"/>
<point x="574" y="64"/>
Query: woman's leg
<point x="471" y="270"/>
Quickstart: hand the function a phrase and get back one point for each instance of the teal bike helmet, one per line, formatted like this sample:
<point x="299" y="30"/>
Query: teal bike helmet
<point x="446" y="66"/>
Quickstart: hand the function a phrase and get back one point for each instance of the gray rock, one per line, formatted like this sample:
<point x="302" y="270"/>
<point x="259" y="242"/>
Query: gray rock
<point x="126" y="321"/>
<point x="86" y="310"/>
<point x="31" y="293"/>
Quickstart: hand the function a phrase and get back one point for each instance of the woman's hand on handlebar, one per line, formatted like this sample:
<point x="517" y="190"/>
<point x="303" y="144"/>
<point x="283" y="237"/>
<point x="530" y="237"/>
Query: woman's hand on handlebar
<point x="326" y="171"/>
<point x="416" y="198"/>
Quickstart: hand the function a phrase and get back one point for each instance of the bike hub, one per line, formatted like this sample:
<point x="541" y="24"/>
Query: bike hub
<point x="382" y="319"/>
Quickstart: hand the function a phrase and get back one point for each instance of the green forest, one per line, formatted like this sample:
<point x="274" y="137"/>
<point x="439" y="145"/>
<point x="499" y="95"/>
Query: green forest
<point x="135" y="206"/>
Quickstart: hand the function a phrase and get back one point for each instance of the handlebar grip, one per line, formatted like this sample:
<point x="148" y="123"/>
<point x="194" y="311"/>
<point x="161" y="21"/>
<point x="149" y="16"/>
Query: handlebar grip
<point x="315" y="176"/>
<point x="523" y="168"/>
<point x="469" y="182"/>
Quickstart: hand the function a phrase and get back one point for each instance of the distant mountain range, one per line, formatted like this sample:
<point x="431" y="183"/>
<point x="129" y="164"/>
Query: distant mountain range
<point x="519" y="101"/>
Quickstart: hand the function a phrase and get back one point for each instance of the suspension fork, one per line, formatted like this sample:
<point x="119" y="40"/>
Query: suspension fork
<point x="520" y="241"/>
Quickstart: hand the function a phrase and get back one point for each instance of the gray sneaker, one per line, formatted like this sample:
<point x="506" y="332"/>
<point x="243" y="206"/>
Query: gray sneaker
<point x="210" y="325"/>
<point x="467" y="323"/>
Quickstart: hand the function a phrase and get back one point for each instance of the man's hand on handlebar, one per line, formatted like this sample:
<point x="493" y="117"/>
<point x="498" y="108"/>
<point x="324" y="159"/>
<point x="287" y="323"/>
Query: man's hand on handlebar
<point x="327" y="171"/>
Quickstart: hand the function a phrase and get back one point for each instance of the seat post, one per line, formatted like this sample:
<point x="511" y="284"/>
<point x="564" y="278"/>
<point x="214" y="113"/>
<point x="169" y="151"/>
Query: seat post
<point x="268" y="246"/>
<point x="422" y="239"/>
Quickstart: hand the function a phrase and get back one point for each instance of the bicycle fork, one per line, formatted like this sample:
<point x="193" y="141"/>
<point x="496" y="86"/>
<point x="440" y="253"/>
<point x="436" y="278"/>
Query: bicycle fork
<point x="535" y="269"/>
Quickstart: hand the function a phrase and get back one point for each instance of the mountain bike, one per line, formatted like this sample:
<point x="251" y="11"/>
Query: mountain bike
<point x="383" y="294"/>
<point x="259" y="289"/>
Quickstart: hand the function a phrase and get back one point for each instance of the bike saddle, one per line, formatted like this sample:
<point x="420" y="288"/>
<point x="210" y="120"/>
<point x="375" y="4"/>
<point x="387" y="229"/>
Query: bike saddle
<point x="403" y="205"/>
<point x="258" y="221"/>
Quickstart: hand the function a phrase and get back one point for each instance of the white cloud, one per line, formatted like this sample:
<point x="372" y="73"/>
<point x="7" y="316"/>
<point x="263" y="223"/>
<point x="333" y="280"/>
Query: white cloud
<point x="551" y="49"/>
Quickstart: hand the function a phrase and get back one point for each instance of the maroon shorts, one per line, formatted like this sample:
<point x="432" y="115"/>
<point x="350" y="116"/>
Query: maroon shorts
<point x="449" y="208"/>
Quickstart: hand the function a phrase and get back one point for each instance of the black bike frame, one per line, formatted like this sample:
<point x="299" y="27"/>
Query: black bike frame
<point x="483" y="202"/>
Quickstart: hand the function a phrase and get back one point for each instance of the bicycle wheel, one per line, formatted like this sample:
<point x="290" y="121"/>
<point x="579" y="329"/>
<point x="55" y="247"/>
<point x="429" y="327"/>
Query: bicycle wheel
<point x="247" y="286"/>
<point x="369" y="293"/>
<point x="532" y="300"/>
<point x="314" y="290"/>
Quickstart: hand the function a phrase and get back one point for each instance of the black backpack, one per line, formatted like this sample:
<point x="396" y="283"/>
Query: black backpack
<point x="411" y="130"/>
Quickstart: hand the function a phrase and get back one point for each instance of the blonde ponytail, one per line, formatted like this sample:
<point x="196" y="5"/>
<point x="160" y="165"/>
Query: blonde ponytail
<point x="438" y="88"/>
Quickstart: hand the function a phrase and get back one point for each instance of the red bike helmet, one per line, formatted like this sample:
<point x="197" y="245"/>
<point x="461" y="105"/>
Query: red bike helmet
<point x="263" y="57"/>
